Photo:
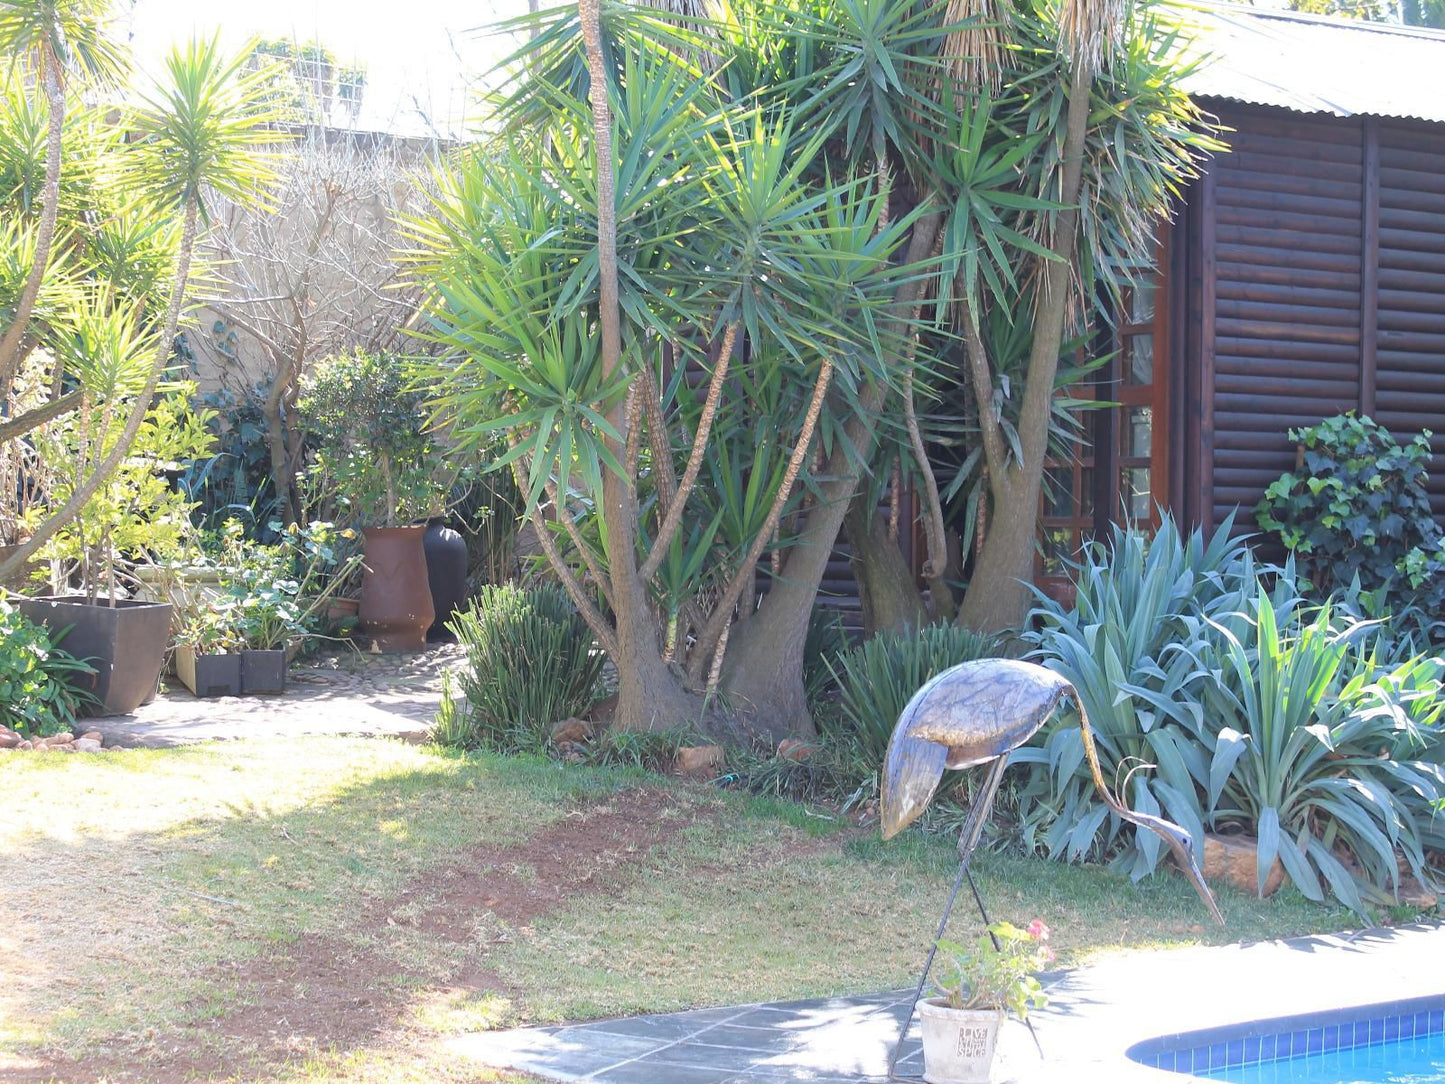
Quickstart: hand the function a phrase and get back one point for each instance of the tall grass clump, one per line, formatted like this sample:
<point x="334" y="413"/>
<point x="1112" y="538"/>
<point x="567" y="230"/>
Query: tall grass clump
<point x="530" y="663"/>
<point x="877" y="678"/>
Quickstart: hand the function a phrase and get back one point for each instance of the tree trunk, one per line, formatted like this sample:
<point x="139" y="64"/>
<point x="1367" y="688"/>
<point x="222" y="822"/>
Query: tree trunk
<point x="280" y="460"/>
<point x="764" y="666"/>
<point x="53" y="79"/>
<point x="650" y="695"/>
<point x="891" y="600"/>
<point x="998" y="597"/>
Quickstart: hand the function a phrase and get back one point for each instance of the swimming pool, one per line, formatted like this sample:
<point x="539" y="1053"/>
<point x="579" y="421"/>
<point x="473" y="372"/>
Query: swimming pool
<point x="1396" y="1042"/>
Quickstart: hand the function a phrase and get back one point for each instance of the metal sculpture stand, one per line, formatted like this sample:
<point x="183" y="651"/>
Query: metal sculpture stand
<point x="967" y="841"/>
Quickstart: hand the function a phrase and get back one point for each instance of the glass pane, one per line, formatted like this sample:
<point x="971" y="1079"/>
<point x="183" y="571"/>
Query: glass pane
<point x="1086" y="492"/>
<point x="1134" y="487"/>
<point x="1059" y="492"/>
<point x="1141" y="304"/>
<point x="1139" y="359"/>
<point x="1138" y="432"/>
<point x="1059" y="547"/>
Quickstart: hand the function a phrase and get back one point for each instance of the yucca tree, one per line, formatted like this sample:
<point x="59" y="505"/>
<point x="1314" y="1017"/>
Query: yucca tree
<point x="50" y="40"/>
<point x="202" y="131"/>
<point x="584" y="268"/>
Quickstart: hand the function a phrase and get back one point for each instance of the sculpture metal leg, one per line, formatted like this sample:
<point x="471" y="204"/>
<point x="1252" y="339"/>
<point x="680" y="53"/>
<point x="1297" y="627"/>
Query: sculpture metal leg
<point x="967" y="841"/>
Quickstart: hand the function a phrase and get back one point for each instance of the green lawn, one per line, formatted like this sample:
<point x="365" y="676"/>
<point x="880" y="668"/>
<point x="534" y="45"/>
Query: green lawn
<point x="330" y="908"/>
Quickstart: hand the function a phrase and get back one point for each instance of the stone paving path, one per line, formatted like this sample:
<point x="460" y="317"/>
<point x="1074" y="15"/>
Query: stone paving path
<point x="338" y="693"/>
<point x="1094" y="1015"/>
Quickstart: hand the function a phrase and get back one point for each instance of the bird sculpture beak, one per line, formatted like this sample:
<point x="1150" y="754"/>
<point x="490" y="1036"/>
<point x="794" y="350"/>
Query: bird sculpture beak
<point x="1189" y="865"/>
<point x="911" y="773"/>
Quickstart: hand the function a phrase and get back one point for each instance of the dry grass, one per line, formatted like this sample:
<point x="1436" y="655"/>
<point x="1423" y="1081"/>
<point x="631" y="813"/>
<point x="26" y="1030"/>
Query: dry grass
<point x="144" y="891"/>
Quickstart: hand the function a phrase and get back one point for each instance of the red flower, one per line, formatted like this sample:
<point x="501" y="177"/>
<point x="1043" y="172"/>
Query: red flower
<point x="1038" y="931"/>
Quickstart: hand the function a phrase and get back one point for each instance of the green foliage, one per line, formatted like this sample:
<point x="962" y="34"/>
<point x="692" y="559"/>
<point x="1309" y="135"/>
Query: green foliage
<point x="373" y="446"/>
<point x="997" y="970"/>
<point x="267" y="595"/>
<point x="649" y="750"/>
<point x="1307" y="761"/>
<point x="530" y="663"/>
<point x="136" y="515"/>
<point x="1125" y="645"/>
<point x="1226" y="703"/>
<point x="877" y="678"/>
<point x="36" y="697"/>
<point x="825" y="641"/>
<point x="1356" y="514"/>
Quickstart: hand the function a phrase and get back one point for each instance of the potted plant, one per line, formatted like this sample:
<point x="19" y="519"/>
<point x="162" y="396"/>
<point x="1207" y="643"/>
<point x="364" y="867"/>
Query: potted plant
<point x="208" y="659"/>
<point x="134" y="515"/>
<point x="977" y="984"/>
<point x="385" y="472"/>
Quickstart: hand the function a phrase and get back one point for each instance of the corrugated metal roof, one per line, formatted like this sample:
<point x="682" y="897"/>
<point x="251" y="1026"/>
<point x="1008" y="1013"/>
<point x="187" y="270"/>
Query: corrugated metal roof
<point x="1315" y="64"/>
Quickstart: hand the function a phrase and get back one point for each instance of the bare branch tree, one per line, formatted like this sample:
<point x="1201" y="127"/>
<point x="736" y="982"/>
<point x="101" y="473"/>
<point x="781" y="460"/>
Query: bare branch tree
<point x="318" y="276"/>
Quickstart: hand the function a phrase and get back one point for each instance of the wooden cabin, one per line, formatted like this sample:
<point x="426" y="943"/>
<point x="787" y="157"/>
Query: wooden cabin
<point x="1304" y="276"/>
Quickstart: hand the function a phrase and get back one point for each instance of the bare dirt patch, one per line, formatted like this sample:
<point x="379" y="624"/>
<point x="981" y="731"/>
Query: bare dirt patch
<point x="339" y="993"/>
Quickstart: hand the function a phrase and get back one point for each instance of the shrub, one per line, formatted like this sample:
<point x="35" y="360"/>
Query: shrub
<point x="36" y="697"/>
<point x="1356" y="514"/>
<point x="1223" y="701"/>
<point x="877" y="678"/>
<point x="1127" y="645"/>
<point x="1301" y="760"/>
<point x="530" y="663"/>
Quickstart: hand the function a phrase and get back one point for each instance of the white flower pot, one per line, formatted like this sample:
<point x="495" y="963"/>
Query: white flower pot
<point x="958" y="1044"/>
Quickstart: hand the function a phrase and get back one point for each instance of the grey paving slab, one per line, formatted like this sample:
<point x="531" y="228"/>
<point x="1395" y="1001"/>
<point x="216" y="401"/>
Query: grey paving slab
<point x="1094" y="1015"/>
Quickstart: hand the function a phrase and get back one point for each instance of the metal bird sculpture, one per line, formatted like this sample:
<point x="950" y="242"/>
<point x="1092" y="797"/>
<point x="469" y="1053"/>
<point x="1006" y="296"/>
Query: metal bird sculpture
<point x="976" y="713"/>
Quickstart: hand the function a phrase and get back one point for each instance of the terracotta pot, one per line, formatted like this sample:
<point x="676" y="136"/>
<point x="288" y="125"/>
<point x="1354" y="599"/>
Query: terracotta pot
<point x="446" y="570"/>
<point x="958" y="1044"/>
<point x="396" y="606"/>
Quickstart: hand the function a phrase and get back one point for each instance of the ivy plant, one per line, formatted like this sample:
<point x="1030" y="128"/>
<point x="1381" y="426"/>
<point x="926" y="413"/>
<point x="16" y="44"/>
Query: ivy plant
<point x="1356" y="514"/>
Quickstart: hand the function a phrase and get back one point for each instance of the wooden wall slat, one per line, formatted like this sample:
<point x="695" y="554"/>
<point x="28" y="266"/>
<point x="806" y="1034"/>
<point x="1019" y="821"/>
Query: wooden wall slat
<point x="1410" y="317"/>
<point x="1286" y="308"/>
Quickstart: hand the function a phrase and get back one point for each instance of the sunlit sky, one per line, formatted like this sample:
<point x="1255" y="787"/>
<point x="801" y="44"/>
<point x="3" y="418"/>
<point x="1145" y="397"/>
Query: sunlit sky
<point x="422" y="57"/>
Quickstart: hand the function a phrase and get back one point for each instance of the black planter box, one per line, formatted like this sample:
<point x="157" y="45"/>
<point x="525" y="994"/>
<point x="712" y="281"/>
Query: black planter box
<point x="209" y="675"/>
<point x="263" y="672"/>
<point x="125" y="643"/>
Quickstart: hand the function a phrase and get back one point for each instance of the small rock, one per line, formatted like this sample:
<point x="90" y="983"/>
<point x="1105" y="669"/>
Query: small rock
<point x="9" y="740"/>
<point x="1235" y="859"/>
<point x="571" y="732"/>
<point x="794" y="749"/>
<point x="6" y="732"/>
<point x="87" y="745"/>
<point x="63" y="738"/>
<point x="94" y="735"/>
<point x="703" y="761"/>
<point x="25" y="745"/>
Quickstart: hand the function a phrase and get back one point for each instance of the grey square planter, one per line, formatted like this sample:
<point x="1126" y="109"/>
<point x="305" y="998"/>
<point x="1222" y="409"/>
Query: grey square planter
<point x="126" y="643"/>
<point x="209" y="675"/>
<point x="263" y="672"/>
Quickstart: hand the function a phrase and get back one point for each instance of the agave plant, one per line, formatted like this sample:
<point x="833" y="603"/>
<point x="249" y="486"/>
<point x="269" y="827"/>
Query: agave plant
<point x="1130" y="645"/>
<point x="1303" y="761"/>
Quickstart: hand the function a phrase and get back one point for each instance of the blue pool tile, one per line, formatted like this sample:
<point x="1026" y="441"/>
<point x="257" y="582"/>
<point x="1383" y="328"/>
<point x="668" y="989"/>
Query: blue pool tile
<point x="1331" y="1038"/>
<point x="1234" y="1054"/>
<point x="1267" y="1047"/>
<point x="1437" y="1020"/>
<point x="1314" y="1040"/>
<point x="1251" y="1050"/>
<point x="1392" y="1028"/>
<point x="1377" y="1031"/>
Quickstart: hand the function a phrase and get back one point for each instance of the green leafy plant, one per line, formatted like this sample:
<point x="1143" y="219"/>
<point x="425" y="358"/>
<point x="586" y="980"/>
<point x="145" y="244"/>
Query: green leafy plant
<point x="530" y="663"/>
<point x="877" y="678"/>
<point x="997" y="971"/>
<point x="1127" y="645"/>
<point x="373" y="444"/>
<point x="1356" y="514"/>
<point x="36" y="694"/>
<point x="1302" y="762"/>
